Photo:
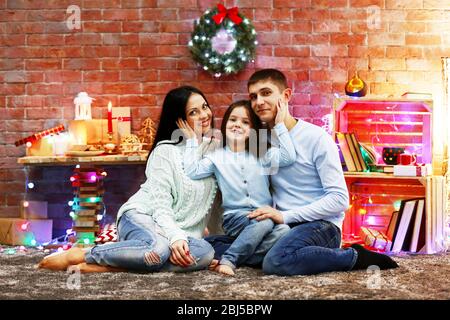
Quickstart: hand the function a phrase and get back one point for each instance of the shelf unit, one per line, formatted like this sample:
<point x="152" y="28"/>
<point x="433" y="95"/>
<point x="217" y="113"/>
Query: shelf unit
<point x="374" y="196"/>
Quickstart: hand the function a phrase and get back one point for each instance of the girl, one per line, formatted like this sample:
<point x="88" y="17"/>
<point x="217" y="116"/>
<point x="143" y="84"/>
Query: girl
<point x="161" y="226"/>
<point x="242" y="180"/>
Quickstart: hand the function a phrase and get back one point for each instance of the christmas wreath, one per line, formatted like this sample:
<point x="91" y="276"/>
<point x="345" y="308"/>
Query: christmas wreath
<point x="223" y="41"/>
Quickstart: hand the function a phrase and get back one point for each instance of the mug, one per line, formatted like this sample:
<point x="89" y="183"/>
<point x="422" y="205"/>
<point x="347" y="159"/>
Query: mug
<point x="406" y="159"/>
<point x="390" y="155"/>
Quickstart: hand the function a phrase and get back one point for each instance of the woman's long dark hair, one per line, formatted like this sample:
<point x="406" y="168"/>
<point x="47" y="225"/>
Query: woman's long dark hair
<point x="255" y="122"/>
<point x="174" y="107"/>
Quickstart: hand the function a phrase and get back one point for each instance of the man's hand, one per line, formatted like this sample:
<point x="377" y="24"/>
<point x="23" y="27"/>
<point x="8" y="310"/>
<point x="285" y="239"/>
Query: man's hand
<point x="267" y="213"/>
<point x="180" y="254"/>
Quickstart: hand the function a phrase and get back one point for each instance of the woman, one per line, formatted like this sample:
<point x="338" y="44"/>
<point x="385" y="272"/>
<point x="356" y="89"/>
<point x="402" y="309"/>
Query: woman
<point x="161" y="226"/>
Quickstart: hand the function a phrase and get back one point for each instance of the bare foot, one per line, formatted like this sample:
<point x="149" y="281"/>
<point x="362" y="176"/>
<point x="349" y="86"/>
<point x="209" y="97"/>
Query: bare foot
<point x="60" y="261"/>
<point x="213" y="265"/>
<point x="91" y="268"/>
<point x="224" y="269"/>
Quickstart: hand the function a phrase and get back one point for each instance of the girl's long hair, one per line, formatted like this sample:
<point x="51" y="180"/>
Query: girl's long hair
<point x="174" y="107"/>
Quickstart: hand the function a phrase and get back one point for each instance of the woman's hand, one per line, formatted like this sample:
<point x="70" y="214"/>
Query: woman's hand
<point x="185" y="128"/>
<point x="282" y="111"/>
<point x="180" y="254"/>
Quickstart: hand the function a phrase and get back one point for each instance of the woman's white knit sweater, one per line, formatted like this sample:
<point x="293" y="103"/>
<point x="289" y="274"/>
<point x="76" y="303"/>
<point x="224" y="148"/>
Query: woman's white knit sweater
<point x="178" y="205"/>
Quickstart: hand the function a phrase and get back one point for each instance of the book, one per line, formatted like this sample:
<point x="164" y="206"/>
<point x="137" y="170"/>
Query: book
<point x="409" y="231"/>
<point x="358" y="152"/>
<point x="352" y="149"/>
<point x="345" y="151"/>
<point x="392" y="224"/>
<point x="407" y="209"/>
<point x="418" y="234"/>
<point x="385" y="168"/>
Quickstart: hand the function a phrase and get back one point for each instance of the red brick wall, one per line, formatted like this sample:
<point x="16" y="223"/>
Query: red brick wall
<point x="133" y="51"/>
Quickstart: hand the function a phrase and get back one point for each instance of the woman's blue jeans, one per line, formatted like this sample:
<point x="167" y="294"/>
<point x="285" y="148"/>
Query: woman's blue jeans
<point x="139" y="236"/>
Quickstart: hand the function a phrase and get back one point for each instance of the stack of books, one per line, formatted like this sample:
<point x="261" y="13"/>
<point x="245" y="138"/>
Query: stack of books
<point x="351" y="152"/>
<point x="407" y="226"/>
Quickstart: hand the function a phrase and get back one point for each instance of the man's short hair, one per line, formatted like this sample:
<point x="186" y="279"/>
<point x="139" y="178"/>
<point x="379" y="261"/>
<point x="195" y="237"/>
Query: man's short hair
<point x="274" y="75"/>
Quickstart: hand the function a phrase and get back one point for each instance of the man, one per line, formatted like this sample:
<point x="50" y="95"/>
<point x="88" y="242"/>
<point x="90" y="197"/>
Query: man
<point x="310" y="195"/>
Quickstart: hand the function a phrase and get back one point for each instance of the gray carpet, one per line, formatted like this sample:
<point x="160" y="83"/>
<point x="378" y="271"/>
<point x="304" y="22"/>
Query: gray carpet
<point x="419" y="277"/>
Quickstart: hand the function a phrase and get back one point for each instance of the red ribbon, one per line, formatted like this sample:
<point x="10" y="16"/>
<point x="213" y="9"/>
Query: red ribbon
<point x="122" y="119"/>
<point x="231" y="14"/>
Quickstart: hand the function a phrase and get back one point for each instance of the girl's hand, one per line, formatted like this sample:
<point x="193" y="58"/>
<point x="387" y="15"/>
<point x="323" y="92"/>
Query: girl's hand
<point x="180" y="254"/>
<point x="282" y="111"/>
<point x="185" y="128"/>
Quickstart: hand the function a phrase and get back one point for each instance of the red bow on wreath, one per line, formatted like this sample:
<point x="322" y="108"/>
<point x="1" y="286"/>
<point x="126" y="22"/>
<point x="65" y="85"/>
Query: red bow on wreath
<point x="232" y="14"/>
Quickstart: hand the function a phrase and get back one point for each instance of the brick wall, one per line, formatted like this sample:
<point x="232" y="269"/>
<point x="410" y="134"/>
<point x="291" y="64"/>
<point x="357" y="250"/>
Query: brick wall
<point x="133" y="51"/>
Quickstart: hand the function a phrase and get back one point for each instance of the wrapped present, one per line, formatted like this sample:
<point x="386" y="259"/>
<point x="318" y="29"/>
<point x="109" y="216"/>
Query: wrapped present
<point x="108" y="234"/>
<point x="123" y="117"/>
<point x="375" y="239"/>
<point x="33" y="209"/>
<point x="41" y="147"/>
<point x="28" y="232"/>
<point x="92" y="132"/>
<point x="412" y="170"/>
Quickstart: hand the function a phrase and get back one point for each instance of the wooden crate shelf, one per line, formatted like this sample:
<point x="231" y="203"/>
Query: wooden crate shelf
<point x="375" y="196"/>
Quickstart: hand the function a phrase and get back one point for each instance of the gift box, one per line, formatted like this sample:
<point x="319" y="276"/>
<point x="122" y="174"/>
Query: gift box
<point x="41" y="147"/>
<point x="92" y="132"/>
<point x="375" y="239"/>
<point x="33" y="209"/>
<point x="123" y="117"/>
<point x="27" y="232"/>
<point x="412" y="170"/>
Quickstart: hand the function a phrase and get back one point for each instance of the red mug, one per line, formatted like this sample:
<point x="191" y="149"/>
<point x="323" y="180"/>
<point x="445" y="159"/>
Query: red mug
<point x="406" y="159"/>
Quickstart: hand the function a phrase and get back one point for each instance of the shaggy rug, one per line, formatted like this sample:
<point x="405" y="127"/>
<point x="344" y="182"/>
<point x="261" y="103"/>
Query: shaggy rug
<point x="419" y="277"/>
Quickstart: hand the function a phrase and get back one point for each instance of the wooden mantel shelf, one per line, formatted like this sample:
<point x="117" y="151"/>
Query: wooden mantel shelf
<point x="117" y="159"/>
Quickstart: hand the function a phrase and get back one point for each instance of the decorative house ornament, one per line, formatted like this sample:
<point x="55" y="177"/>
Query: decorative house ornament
<point x="356" y="87"/>
<point x="223" y="41"/>
<point x="147" y="134"/>
<point x="83" y="106"/>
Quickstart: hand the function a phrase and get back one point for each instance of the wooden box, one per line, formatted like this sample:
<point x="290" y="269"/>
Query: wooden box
<point x="375" y="196"/>
<point x="13" y="232"/>
<point x="388" y="123"/>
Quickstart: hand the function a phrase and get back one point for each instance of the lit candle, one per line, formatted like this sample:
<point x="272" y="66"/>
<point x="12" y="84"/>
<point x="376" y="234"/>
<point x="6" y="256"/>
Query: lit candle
<point x="109" y="117"/>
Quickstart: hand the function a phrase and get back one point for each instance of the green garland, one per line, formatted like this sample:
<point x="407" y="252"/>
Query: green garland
<point x="212" y="61"/>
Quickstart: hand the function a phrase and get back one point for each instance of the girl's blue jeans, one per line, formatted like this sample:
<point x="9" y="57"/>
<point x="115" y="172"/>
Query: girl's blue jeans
<point x="139" y="240"/>
<point x="253" y="239"/>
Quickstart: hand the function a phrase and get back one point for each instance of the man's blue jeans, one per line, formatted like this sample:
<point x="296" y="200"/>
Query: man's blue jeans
<point x="309" y="248"/>
<point x="253" y="239"/>
<point x="139" y="236"/>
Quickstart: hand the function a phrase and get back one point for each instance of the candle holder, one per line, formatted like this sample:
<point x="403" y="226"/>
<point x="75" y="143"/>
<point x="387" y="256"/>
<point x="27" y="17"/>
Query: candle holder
<point x="110" y="147"/>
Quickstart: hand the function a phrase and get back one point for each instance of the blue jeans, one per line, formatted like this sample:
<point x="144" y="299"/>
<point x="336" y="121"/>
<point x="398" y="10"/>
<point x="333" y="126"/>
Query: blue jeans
<point x="309" y="248"/>
<point x="253" y="239"/>
<point x="138" y="237"/>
